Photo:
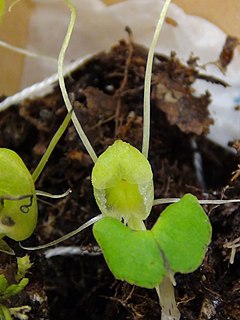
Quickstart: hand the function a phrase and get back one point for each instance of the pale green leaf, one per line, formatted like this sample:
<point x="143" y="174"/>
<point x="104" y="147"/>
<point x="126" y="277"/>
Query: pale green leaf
<point x="23" y="265"/>
<point x="3" y="284"/>
<point x="183" y="232"/>
<point x="14" y="289"/>
<point x="131" y="255"/>
<point x="122" y="183"/>
<point x="20" y="212"/>
<point x="4" y="313"/>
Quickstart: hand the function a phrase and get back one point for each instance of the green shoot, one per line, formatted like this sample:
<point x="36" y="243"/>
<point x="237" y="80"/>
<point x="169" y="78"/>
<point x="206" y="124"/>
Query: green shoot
<point x="8" y="290"/>
<point x="5" y="313"/>
<point x="24" y="265"/>
<point x="51" y="147"/>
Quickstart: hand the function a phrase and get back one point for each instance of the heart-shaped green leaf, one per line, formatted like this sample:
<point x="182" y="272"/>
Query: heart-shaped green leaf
<point x="183" y="232"/>
<point x="181" y="235"/>
<point x="133" y="256"/>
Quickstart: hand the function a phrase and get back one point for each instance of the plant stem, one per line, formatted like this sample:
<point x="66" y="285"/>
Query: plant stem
<point x="27" y="53"/>
<point x="62" y="86"/>
<point x="157" y="202"/>
<point x="165" y="291"/>
<point x="147" y="83"/>
<point x="66" y="236"/>
<point x="51" y="146"/>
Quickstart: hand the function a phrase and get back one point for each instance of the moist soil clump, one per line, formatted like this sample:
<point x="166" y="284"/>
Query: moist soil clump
<point x="107" y="94"/>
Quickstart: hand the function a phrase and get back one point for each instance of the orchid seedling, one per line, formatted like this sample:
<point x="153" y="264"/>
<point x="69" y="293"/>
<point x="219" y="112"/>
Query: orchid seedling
<point x="122" y="182"/>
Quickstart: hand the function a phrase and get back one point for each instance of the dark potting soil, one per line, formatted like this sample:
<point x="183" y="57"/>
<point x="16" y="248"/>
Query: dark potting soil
<point x="107" y="95"/>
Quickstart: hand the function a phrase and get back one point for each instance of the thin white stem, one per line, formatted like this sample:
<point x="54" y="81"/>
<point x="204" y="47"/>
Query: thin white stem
<point x="27" y="52"/>
<point x="67" y="102"/>
<point x="147" y="83"/>
<point x="165" y="291"/>
<point x="53" y="196"/>
<point x="72" y="251"/>
<point x="66" y="236"/>
<point x="172" y="200"/>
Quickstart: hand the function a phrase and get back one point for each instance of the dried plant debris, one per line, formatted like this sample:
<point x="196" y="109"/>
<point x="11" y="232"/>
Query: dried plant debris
<point x="227" y="53"/>
<point x="107" y="95"/>
<point x="172" y="90"/>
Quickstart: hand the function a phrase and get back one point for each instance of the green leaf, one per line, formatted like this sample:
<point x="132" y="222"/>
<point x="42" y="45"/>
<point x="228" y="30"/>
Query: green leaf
<point x="4" y="313"/>
<point x="20" y="312"/>
<point x="3" y="284"/>
<point x="131" y="255"/>
<point x="14" y="289"/>
<point x="23" y="265"/>
<point x="123" y="183"/>
<point x="21" y="213"/>
<point x="183" y="232"/>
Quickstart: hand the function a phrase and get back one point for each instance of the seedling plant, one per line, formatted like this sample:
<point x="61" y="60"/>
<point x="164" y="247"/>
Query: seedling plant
<point x="123" y="188"/>
<point x="122" y="182"/>
<point x="18" y="197"/>
<point x="8" y="290"/>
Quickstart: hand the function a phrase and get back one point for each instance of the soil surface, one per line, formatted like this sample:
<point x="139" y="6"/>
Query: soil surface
<point x="107" y="95"/>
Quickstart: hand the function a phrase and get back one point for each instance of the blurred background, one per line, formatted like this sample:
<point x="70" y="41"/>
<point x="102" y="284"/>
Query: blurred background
<point x="14" y="29"/>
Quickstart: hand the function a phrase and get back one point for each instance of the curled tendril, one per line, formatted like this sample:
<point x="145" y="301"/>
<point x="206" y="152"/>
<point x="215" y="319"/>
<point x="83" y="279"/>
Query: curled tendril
<point x="23" y="208"/>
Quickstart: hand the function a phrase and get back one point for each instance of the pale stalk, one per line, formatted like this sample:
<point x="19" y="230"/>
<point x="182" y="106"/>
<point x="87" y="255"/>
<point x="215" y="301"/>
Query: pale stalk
<point x="67" y="102"/>
<point x="53" y="196"/>
<point x="165" y="292"/>
<point x="147" y="82"/>
<point x="66" y="236"/>
<point x="27" y="52"/>
<point x="173" y="200"/>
